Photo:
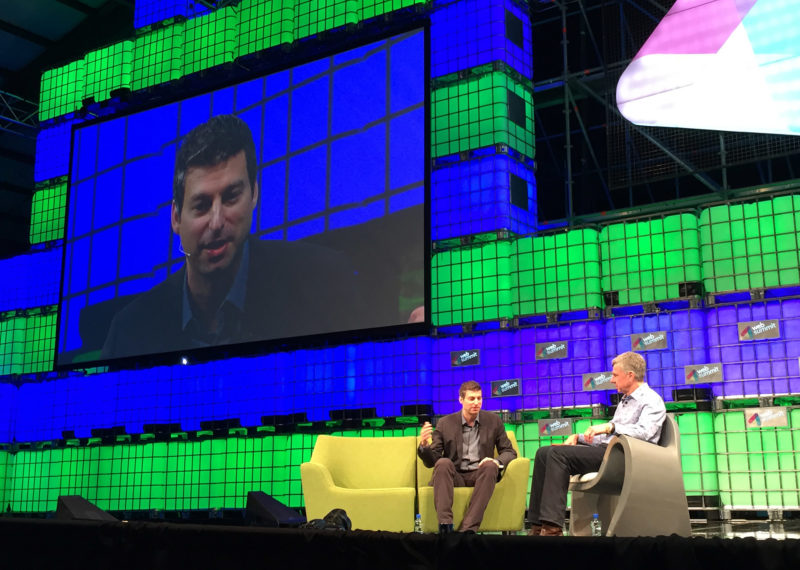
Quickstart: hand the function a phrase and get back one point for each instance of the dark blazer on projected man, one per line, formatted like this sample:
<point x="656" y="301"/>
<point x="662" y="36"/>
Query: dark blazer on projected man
<point x="293" y="289"/>
<point x="448" y="441"/>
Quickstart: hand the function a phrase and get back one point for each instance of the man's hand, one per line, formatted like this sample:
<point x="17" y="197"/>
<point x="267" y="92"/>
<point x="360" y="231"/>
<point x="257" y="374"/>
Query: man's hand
<point x="485" y="459"/>
<point x="592" y="431"/>
<point x="571" y="440"/>
<point x="426" y="434"/>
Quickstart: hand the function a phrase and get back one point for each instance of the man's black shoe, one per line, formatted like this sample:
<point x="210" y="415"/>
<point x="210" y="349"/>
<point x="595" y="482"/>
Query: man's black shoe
<point x="446" y="529"/>
<point x="468" y="531"/>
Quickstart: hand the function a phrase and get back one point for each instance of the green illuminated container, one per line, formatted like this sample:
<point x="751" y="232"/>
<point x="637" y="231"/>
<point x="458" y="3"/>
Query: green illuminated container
<point x="48" y="212"/>
<point x="472" y="284"/>
<point x="556" y="273"/>
<point x="209" y="40"/>
<point x="4" y="456"/>
<point x="61" y="90"/>
<point x="107" y="70"/>
<point x="488" y="108"/>
<point x="698" y="453"/>
<point x="647" y="261"/>
<point x="264" y="24"/>
<point x="372" y="8"/>
<point x="751" y="246"/>
<point x="315" y="16"/>
<point x="758" y="467"/>
<point x="158" y="57"/>
<point x="12" y="343"/>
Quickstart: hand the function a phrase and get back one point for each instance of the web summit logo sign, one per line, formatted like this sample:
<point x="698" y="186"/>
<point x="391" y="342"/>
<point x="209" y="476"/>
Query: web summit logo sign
<point x="756" y="330"/>
<point x="597" y="381"/>
<point x="766" y="417"/>
<point x="551" y="350"/>
<point x="703" y="373"/>
<point x="505" y="388"/>
<point x="649" y="341"/>
<point x="549" y="428"/>
<point x="465" y="357"/>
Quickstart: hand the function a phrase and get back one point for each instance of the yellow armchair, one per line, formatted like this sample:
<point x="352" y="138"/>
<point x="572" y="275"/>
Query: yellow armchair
<point x="506" y="509"/>
<point x="372" y="478"/>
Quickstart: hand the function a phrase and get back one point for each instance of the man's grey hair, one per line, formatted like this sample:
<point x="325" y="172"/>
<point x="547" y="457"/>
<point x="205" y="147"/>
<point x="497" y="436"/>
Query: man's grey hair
<point x="631" y="362"/>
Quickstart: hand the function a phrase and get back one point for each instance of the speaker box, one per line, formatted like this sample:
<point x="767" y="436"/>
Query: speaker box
<point x="263" y="509"/>
<point x="76" y="508"/>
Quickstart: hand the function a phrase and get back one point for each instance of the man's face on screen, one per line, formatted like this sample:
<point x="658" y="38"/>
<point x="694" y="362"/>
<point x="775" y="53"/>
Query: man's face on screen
<point x="215" y="220"/>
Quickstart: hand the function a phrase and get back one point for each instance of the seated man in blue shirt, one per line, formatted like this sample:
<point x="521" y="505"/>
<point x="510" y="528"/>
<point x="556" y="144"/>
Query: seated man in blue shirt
<point x="640" y="414"/>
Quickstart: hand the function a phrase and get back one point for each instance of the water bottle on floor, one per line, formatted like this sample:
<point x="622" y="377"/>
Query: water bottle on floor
<point x="418" y="524"/>
<point x="597" y="528"/>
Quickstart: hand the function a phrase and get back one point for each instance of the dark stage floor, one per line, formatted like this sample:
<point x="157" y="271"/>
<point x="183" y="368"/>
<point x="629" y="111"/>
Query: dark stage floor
<point x="152" y="545"/>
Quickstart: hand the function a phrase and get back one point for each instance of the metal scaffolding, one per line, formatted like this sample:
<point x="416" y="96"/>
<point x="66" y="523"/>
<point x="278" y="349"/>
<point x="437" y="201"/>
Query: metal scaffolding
<point x="593" y="164"/>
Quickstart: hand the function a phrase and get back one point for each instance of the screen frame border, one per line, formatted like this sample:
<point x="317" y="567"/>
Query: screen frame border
<point x="204" y="82"/>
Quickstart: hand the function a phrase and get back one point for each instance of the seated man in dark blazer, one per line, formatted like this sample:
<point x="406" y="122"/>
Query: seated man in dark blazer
<point x="461" y="452"/>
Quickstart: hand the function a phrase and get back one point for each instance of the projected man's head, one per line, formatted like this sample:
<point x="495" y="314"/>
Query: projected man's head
<point x="214" y="194"/>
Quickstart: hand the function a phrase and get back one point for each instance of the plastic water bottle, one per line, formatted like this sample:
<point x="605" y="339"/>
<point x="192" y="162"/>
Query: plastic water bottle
<point x="418" y="524"/>
<point x="597" y="527"/>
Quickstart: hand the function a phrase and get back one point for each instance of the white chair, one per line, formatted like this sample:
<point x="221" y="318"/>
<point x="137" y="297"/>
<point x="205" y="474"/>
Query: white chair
<point x="638" y="490"/>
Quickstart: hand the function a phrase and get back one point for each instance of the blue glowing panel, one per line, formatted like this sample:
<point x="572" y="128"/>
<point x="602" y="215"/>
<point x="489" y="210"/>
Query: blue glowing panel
<point x="476" y="32"/>
<point x="557" y="383"/>
<point x="8" y="411"/>
<point x="52" y="152"/>
<point x="498" y="359"/>
<point x="148" y="12"/>
<point x="339" y="162"/>
<point x="686" y="345"/>
<point x="482" y="195"/>
<point x="760" y="367"/>
<point x="35" y="280"/>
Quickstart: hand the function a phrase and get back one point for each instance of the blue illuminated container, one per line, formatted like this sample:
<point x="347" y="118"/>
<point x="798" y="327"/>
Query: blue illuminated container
<point x="148" y="12"/>
<point x="755" y="367"/>
<point x="686" y="345"/>
<point x="558" y="383"/>
<point x="498" y="361"/>
<point x="480" y="195"/>
<point x="52" y="152"/>
<point x="8" y="411"/>
<point x="475" y="32"/>
<point x="32" y="280"/>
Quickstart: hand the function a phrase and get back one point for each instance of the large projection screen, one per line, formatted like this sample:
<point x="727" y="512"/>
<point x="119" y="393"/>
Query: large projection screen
<point x="320" y="229"/>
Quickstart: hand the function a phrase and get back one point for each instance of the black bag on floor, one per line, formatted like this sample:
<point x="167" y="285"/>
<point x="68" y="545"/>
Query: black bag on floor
<point x="337" y="519"/>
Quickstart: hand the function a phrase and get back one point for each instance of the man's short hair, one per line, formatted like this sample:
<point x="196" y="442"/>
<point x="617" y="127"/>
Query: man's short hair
<point x="631" y="362"/>
<point x="211" y="143"/>
<point x="469" y="386"/>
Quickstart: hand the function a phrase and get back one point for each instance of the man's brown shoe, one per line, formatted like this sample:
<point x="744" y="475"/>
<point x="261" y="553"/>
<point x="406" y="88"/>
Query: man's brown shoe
<point x="551" y="530"/>
<point x="535" y="530"/>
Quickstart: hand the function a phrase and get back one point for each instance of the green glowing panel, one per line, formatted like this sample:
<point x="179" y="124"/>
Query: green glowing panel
<point x="209" y="40"/>
<point x="61" y="90"/>
<point x="107" y="70"/>
<point x="158" y="57"/>
<point x="488" y="108"/>
<point x="315" y="16"/>
<point x="264" y="24"/>
<point x="698" y="453"/>
<point x="556" y="273"/>
<point x="646" y="261"/>
<point x="48" y="213"/>
<point x="749" y="246"/>
<point x="472" y="284"/>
